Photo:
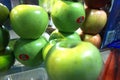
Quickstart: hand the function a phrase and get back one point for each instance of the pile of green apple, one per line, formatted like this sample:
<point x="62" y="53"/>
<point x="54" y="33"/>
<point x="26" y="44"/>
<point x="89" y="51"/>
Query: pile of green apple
<point x="67" y="10"/>
<point x="29" y="22"/>
<point x="66" y="56"/>
<point x="7" y="58"/>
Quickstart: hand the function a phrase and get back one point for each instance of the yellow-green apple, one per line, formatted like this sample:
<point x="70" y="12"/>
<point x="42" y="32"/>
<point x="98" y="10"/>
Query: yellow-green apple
<point x="95" y="21"/>
<point x="48" y="46"/>
<point x="29" y="21"/>
<point x="56" y="37"/>
<point x="73" y="60"/>
<point x="7" y="59"/>
<point x="68" y="16"/>
<point x="29" y="51"/>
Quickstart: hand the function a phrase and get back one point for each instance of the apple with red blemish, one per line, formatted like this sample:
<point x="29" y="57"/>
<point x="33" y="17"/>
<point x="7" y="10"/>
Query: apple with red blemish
<point x="68" y="16"/>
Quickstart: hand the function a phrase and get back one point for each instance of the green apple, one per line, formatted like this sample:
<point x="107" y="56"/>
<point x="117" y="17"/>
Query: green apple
<point x="29" y="51"/>
<point x="29" y="21"/>
<point x="73" y="60"/>
<point x="4" y="13"/>
<point x="7" y="59"/>
<point x="95" y="21"/>
<point x="56" y="37"/>
<point x="48" y="46"/>
<point x="56" y="34"/>
<point x="68" y="16"/>
<point x="4" y="37"/>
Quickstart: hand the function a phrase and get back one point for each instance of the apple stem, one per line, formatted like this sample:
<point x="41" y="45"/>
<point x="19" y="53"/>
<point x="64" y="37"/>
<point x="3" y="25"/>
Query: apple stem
<point x="68" y="44"/>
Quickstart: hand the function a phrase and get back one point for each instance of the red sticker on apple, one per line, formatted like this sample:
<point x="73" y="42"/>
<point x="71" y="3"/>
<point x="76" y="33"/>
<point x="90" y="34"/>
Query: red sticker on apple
<point x="80" y="19"/>
<point x="24" y="57"/>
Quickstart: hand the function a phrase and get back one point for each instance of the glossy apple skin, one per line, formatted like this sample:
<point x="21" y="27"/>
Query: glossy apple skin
<point x="73" y="60"/>
<point x="68" y="16"/>
<point x="4" y="38"/>
<point x="96" y="4"/>
<point x="29" y="52"/>
<point x="48" y="46"/>
<point x="95" y="21"/>
<point x="4" y="13"/>
<point x="94" y="39"/>
<point x="7" y="59"/>
<point x="29" y="21"/>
